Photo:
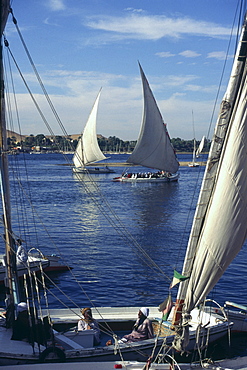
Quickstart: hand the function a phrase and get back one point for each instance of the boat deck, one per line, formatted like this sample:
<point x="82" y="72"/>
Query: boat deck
<point x="17" y="348"/>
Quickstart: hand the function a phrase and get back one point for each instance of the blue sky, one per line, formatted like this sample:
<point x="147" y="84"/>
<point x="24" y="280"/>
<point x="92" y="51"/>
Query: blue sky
<point x="80" y="46"/>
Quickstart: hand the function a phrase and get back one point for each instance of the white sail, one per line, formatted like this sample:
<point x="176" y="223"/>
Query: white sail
<point x="88" y="150"/>
<point x="194" y="151"/>
<point x="78" y="155"/>
<point x="201" y="146"/>
<point x="220" y="223"/>
<point x="153" y="148"/>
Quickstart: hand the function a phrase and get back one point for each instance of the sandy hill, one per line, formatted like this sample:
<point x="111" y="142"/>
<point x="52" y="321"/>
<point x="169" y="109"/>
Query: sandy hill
<point x="22" y="137"/>
<point x="17" y="136"/>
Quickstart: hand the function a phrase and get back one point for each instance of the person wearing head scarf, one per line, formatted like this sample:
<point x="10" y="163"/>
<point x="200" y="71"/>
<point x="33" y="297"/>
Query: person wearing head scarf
<point x="88" y="323"/>
<point x="142" y="329"/>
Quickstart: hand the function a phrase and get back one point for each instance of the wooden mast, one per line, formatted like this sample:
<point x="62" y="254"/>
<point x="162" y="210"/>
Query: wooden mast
<point x="12" y="295"/>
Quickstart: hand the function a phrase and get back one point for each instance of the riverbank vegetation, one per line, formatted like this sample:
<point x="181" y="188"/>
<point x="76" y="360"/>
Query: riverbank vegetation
<point x="111" y="144"/>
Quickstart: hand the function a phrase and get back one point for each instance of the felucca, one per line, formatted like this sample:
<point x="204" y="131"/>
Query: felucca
<point x="88" y="150"/>
<point x="153" y="149"/>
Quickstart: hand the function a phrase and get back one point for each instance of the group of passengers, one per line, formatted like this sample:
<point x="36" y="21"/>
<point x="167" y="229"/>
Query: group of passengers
<point x="147" y="175"/>
<point x="142" y="328"/>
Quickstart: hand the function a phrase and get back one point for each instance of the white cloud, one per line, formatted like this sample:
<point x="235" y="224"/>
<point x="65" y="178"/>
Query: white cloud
<point x="180" y="125"/>
<point x="56" y="5"/>
<point x="220" y="55"/>
<point x="134" y="10"/>
<point x="120" y="113"/>
<point x="165" y="54"/>
<point x="189" y="54"/>
<point x="120" y="109"/>
<point x="179" y="80"/>
<point x="48" y="22"/>
<point x="199" y="88"/>
<point x="154" y="27"/>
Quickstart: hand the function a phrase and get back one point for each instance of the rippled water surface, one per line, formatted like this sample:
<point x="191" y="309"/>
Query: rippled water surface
<point x="102" y="228"/>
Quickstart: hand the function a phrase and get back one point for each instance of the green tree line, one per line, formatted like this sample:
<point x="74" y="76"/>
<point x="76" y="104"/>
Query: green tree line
<point x="110" y="144"/>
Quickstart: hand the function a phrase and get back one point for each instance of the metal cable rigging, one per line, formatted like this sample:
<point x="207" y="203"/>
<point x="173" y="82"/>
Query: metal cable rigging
<point x="102" y="204"/>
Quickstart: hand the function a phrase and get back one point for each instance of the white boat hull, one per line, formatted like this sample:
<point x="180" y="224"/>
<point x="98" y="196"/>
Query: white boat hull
<point x="171" y="178"/>
<point x="193" y="164"/>
<point x="22" y="352"/>
<point x="238" y="316"/>
<point x="49" y="263"/>
<point x="34" y="265"/>
<point x="53" y="262"/>
<point x="93" y="170"/>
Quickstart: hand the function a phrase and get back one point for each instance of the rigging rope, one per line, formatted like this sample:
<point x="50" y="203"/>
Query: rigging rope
<point x="101" y="203"/>
<point x="21" y="212"/>
<point x="113" y="219"/>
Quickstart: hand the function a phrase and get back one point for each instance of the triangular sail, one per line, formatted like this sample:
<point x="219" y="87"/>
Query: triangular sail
<point x="194" y="151"/>
<point x="78" y="155"/>
<point x="201" y="146"/>
<point x="88" y="150"/>
<point x="153" y="148"/>
<point x="220" y="223"/>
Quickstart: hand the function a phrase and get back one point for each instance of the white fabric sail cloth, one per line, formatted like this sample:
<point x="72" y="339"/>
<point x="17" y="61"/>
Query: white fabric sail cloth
<point x="153" y="148"/>
<point x="225" y="227"/>
<point x="88" y="150"/>
<point x="220" y="224"/>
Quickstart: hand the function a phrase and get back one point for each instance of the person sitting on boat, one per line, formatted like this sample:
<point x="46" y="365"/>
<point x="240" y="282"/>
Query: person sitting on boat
<point x="89" y="323"/>
<point x="21" y="326"/>
<point x="21" y="253"/>
<point x="142" y="329"/>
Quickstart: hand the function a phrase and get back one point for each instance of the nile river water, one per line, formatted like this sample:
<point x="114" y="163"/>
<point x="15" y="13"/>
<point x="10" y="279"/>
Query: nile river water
<point x="105" y="254"/>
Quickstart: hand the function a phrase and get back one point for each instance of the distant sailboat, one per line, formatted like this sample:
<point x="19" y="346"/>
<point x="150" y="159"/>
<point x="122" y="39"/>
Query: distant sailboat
<point x="88" y="150"/>
<point x="194" y="163"/>
<point x="153" y="148"/>
<point x="197" y="152"/>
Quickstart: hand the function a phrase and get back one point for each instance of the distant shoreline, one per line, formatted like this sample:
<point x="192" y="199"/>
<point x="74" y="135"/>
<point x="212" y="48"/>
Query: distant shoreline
<point x="124" y="164"/>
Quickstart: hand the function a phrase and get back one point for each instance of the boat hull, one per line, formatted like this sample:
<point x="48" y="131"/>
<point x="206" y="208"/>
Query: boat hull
<point x="239" y="319"/>
<point x="20" y="352"/>
<point x="93" y="170"/>
<point x="138" y="351"/>
<point x="55" y="263"/>
<point x="238" y="315"/>
<point x="193" y="165"/>
<point x="34" y="265"/>
<point x="171" y="178"/>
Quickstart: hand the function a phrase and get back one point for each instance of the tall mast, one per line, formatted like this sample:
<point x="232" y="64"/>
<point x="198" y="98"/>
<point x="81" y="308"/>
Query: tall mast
<point x="11" y="279"/>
